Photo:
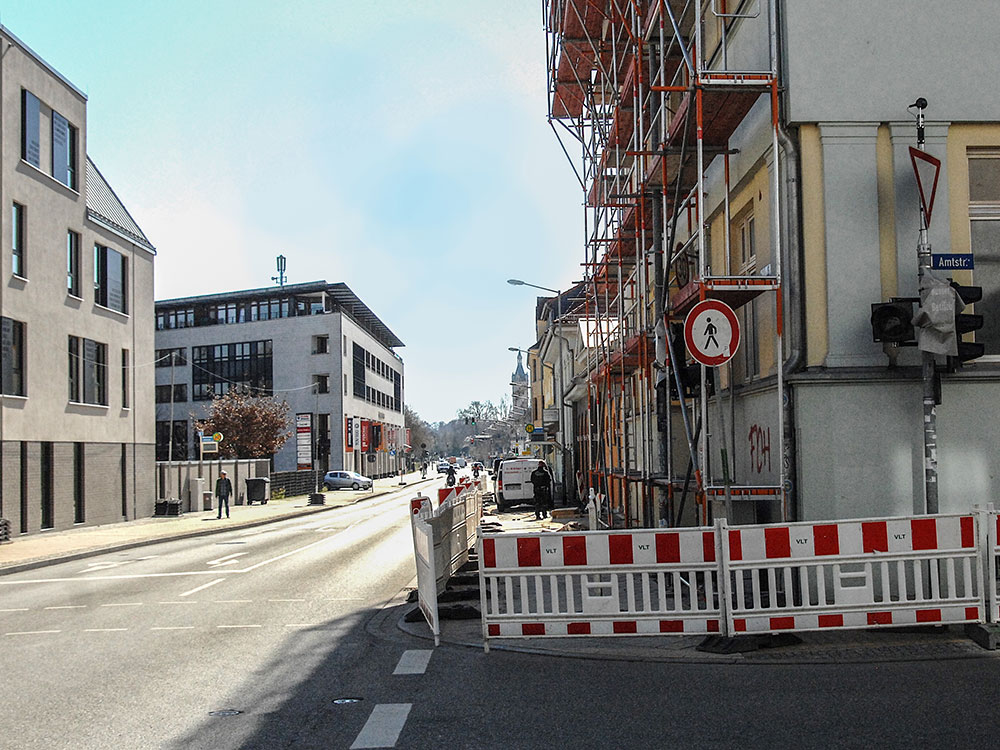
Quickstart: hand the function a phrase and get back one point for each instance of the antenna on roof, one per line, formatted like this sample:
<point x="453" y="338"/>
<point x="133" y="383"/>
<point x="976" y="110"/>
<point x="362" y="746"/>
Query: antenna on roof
<point x="280" y="278"/>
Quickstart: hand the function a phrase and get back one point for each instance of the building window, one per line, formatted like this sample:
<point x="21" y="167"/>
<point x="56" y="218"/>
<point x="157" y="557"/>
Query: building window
<point x="12" y="333"/>
<point x="322" y="383"/>
<point x="125" y="378"/>
<point x="73" y="263"/>
<point x="63" y="150"/>
<point x="31" y="144"/>
<point x="79" y="508"/>
<point x="321" y="344"/>
<point x="18" y="249"/>
<point x="216" y="369"/>
<point x="163" y="393"/>
<point x="88" y="371"/>
<point x="169" y="319"/>
<point x="177" y="450"/>
<point x="745" y="261"/>
<point x="47" y="486"/>
<point x="359" y="360"/>
<point x="171" y="357"/>
<point x="110" y="278"/>
<point x="984" y="219"/>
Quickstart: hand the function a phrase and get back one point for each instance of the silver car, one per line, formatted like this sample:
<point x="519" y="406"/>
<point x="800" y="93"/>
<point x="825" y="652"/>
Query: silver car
<point x="345" y="480"/>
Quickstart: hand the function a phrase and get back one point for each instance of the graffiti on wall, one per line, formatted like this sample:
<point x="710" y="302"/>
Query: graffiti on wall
<point x="760" y="448"/>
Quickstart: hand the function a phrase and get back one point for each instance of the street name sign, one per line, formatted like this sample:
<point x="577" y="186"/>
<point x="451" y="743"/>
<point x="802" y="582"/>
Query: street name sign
<point x="953" y="261"/>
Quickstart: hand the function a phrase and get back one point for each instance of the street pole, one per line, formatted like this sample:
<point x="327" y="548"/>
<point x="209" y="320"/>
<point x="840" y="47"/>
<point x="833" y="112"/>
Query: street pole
<point x="927" y="358"/>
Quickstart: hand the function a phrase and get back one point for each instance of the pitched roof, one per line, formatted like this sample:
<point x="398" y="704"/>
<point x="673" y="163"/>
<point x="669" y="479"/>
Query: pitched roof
<point x="104" y="208"/>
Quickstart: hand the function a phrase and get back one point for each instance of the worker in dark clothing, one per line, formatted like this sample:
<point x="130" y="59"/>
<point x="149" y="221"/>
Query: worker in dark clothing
<point x="223" y="491"/>
<point x="541" y="481"/>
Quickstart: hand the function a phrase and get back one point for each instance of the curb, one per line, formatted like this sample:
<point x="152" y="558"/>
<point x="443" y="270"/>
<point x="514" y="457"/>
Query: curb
<point x="41" y="562"/>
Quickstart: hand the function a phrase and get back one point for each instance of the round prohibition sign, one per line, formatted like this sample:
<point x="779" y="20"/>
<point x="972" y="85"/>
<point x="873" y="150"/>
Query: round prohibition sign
<point x="712" y="332"/>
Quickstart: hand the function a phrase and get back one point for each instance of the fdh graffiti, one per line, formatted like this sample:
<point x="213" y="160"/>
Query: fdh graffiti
<point x="760" y="448"/>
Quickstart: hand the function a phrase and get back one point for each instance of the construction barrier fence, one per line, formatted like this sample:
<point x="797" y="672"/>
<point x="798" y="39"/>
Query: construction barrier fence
<point x="772" y="578"/>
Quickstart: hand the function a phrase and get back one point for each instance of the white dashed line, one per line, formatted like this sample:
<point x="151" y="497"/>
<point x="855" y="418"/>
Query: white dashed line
<point x="203" y="586"/>
<point x="238" y="626"/>
<point x="123" y="604"/>
<point x="413" y="662"/>
<point x="286" y="600"/>
<point x="383" y="726"/>
<point x="173" y="627"/>
<point x="69" y="606"/>
<point x="187" y="602"/>
<point x="233" y="601"/>
<point x="15" y="609"/>
<point x="33" y="632"/>
<point x="104" y="630"/>
<point x="300" y="625"/>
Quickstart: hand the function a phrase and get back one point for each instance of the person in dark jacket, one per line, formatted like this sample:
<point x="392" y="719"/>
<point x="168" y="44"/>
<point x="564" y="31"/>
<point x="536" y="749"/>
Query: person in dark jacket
<point x="541" y="481"/>
<point x="223" y="491"/>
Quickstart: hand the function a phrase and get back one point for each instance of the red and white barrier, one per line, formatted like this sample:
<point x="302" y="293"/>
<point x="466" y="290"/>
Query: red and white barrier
<point x="748" y="579"/>
<point x="853" y="574"/>
<point x="598" y="583"/>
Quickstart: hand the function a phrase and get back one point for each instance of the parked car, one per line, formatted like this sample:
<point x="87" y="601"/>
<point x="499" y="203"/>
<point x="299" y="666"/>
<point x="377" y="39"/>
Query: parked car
<point x="443" y="467"/>
<point x="340" y="480"/>
<point x="514" y="485"/>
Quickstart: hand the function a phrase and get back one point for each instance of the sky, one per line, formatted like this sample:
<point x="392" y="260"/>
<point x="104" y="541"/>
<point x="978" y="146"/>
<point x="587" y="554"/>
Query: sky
<point x="398" y="146"/>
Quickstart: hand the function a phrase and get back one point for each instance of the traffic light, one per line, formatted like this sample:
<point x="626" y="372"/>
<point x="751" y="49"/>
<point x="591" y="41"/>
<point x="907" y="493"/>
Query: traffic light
<point x="892" y="321"/>
<point x="966" y="323"/>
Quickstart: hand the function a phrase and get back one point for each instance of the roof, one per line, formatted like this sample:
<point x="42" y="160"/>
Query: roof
<point x="346" y="299"/>
<point x="104" y="208"/>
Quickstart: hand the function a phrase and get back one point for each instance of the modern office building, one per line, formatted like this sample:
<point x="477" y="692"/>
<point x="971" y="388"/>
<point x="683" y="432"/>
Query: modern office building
<point x="315" y="345"/>
<point x="76" y="413"/>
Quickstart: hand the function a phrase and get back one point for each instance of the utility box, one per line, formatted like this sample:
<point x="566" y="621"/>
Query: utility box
<point x="196" y="489"/>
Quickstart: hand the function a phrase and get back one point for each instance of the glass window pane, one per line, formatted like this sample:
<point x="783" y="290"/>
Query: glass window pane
<point x="986" y="248"/>
<point x="984" y="179"/>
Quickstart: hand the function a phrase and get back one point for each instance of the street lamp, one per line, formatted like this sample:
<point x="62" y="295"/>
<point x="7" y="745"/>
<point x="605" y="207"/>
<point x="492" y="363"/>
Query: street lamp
<point x="559" y="403"/>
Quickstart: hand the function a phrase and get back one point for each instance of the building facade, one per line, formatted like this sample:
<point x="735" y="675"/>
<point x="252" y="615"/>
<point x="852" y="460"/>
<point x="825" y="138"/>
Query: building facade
<point x="733" y="151"/>
<point x="314" y="345"/>
<point x="76" y="414"/>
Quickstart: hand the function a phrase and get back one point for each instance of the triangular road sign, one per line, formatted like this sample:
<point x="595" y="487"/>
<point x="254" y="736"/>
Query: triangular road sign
<point x="927" y="169"/>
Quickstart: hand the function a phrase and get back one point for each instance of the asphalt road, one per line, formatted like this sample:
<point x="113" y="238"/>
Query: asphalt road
<point x="134" y="649"/>
<point x="293" y="625"/>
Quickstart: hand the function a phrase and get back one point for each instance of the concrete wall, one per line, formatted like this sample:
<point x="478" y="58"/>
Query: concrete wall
<point x="866" y="61"/>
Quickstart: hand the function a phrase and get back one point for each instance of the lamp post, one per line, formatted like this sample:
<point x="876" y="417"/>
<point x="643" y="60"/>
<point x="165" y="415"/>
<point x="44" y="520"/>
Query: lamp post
<point x="562" y="417"/>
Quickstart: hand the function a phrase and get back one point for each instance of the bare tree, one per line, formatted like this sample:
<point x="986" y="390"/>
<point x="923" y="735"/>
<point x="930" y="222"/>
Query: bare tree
<point x="252" y="426"/>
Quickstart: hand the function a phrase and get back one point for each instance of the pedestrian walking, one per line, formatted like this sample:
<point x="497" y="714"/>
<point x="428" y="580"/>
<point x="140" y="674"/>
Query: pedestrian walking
<point x="541" y="482"/>
<point x="223" y="490"/>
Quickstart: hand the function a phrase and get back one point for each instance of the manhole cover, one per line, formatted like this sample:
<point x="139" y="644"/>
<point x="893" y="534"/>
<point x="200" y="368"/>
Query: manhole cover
<point x="225" y="712"/>
<point x="342" y="701"/>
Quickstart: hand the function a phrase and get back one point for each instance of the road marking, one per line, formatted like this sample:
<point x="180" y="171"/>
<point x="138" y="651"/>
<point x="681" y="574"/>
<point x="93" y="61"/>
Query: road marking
<point x="69" y="606"/>
<point x="33" y="632"/>
<point x="173" y="627"/>
<point x="124" y="604"/>
<point x="187" y="602"/>
<point x="413" y="661"/>
<point x="383" y="726"/>
<point x="15" y="609"/>
<point x="238" y="626"/>
<point x="233" y="601"/>
<point x="300" y="625"/>
<point x="286" y="600"/>
<point x="226" y="560"/>
<point x="203" y="586"/>
<point x="104" y="630"/>
<point x="301" y="549"/>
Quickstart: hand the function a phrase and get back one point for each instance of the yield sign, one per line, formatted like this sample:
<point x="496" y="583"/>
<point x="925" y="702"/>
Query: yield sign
<point x="926" y="168"/>
<point x="712" y="332"/>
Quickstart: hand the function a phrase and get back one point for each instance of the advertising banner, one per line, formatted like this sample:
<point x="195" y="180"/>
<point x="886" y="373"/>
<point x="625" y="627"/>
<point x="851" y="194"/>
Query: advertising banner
<point x="364" y="435"/>
<point x="303" y="441"/>
<point x="349" y="434"/>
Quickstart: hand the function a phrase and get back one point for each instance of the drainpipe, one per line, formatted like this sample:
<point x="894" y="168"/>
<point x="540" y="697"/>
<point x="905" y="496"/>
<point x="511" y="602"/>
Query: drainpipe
<point x="793" y="287"/>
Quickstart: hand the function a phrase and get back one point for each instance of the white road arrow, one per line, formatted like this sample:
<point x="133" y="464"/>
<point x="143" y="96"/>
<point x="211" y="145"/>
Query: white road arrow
<point x="227" y="560"/>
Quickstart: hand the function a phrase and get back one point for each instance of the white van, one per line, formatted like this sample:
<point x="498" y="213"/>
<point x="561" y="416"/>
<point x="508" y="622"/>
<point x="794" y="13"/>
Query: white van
<point x="514" y="485"/>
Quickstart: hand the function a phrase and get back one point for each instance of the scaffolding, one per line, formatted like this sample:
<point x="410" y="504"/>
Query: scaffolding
<point x="644" y="97"/>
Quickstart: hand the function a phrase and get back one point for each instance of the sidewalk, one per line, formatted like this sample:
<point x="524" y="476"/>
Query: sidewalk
<point x="37" y="550"/>
<point x="838" y="647"/>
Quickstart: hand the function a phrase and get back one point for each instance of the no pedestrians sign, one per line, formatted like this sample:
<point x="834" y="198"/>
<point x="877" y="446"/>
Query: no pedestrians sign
<point x="712" y="332"/>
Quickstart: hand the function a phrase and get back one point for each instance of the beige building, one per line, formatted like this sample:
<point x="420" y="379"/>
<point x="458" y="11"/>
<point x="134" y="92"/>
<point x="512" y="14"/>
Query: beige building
<point x="76" y="299"/>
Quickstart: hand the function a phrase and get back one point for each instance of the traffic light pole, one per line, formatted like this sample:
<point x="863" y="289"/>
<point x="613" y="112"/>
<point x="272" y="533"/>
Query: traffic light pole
<point x="927" y="358"/>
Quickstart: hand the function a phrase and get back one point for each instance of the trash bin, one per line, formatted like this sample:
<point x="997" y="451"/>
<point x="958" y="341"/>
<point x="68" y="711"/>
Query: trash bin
<point x="257" y="489"/>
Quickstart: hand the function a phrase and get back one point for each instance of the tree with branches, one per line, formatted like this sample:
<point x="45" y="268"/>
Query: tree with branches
<point x="252" y="426"/>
